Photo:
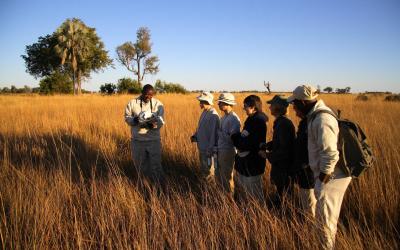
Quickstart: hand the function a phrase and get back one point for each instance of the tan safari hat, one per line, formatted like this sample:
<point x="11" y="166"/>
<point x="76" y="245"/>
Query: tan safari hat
<point x="303" y="92"/>
<point x="207" y="97"/>
<point x="227" y="98"/>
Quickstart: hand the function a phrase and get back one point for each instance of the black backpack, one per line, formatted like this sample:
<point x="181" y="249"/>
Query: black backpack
<point x="355" y="155"/>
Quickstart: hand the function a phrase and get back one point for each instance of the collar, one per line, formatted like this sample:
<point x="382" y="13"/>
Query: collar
<point x="319" y="105"/>
<point x="279" y="118"/>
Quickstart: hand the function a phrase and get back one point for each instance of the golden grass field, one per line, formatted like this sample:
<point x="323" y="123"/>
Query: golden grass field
<point x="67" y="181"/>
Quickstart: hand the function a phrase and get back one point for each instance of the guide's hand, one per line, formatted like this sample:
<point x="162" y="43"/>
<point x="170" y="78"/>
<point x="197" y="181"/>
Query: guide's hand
<point x="150" y="125"/>
<point x="263" y="146"/>
<point x="324" y="178"/>
<point x="262" y="154"/>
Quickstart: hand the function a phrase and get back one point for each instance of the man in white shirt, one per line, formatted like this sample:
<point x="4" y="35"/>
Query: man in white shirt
<point x="331" y="182"/>
<point x="145" y="116"/>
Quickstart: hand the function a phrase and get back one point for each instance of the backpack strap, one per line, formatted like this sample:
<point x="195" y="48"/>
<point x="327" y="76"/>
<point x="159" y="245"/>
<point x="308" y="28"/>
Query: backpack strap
<point x="355" y="126"/>
<point x="314" y="114"/>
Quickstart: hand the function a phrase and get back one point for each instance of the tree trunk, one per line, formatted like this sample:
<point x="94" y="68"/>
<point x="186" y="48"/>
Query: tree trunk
<point x="138" y="73"/>
<point x="74" y="82"/>
<point x="79" y="81"/>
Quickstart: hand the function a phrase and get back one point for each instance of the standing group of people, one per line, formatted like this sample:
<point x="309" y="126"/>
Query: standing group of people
<point x="307" y="157"/>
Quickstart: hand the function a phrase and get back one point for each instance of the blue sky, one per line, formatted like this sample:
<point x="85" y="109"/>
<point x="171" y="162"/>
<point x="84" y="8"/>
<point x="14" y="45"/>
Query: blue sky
<point x="226" y="45"/>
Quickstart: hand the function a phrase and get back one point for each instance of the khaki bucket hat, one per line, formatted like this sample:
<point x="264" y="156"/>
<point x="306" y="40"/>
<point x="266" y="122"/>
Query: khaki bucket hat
<point x="303" y="92"/>
<point x="227" y="98"/>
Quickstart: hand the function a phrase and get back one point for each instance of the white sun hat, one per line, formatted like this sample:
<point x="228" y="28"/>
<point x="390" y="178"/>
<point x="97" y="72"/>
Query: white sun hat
<point x="227" y="98"/>
<point x="303" y="92"/>
<point x="207" y="97"/>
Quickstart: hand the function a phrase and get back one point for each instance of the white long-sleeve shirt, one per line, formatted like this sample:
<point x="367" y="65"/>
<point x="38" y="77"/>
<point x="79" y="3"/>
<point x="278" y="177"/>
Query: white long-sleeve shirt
<point x="323" y="134"/>
<point x="207" y="131"/>
<point x="134" y="108"/>
<point x="229" y="124"/>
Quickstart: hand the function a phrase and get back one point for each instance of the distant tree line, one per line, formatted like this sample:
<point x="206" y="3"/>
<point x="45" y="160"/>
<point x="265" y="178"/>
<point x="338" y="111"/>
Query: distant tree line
<point x="132" y="86"/>
<point x="14" y="90"/>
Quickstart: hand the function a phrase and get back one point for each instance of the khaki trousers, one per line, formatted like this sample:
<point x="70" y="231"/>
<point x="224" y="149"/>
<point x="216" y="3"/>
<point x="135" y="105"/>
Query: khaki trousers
<point x="147" y="158"/>
<point x="249" y="186"/>
<point x="206" y="165"/>
<point x="329" y="198"/>
<point x="224" y="168"/>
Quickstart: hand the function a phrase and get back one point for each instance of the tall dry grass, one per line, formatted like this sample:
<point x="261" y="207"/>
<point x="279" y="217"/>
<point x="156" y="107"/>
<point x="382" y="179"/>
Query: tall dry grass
<point x="67" y="182"/>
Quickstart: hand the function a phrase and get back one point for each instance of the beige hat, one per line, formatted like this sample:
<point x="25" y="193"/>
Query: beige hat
<point x="304" y="92"/>
<point x="227" y="98"/>
<point x="207" y="97"/>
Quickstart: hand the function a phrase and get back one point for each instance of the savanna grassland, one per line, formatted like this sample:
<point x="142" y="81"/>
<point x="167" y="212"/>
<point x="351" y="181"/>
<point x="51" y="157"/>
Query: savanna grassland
<point x="67" y="181"/>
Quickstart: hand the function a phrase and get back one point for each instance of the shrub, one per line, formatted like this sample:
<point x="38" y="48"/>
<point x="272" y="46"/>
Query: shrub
<point x="393" y="98"/>
<point x="164" y="87"/>
<point x="6" y="90"/>
<point x="56" y="83"/>
<point x="362" y="97"/>
<point x="108" y="88"/>
<point x="128" y="85"/>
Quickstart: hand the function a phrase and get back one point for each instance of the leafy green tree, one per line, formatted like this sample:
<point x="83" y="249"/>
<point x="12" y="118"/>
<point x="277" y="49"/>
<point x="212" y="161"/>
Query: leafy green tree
<point x="81" y="50"/>
<point x="108" y="88"/>
<point x="56" y="83"/>
<point x="328" y="89"/>
<point x="41" y="59"/>
<point x="136" y="57"/>
<point x="73" y="48"/>
<point x="128" y="85"/>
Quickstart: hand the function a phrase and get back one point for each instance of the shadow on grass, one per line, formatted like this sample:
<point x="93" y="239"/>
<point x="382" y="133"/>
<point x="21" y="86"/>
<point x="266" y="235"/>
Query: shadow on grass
<point x="84" y="160"/>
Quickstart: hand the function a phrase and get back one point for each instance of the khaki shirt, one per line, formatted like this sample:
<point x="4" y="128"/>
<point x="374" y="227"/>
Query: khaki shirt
<point x="207" y="131"/>
<point x="134" y="108"/>
<point x="323" y="134"/>
<point x="229" y="125"/>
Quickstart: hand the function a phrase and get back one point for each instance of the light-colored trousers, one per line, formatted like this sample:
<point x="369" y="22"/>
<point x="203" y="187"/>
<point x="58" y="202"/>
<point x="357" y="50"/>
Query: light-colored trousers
<point x="224" y="168"/>
<point x="206" y="167"/>
<point x="308" y="201"/>
<point x="147" y="158"/>
<point x="329" y="198"/>
<point x="249" y="185"/>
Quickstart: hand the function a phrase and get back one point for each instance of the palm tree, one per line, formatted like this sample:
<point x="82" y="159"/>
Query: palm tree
<point x="73" y="48"/>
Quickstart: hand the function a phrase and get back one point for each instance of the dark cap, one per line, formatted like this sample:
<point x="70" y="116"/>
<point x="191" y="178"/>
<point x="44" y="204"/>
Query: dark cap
<point x="279" y="99"/>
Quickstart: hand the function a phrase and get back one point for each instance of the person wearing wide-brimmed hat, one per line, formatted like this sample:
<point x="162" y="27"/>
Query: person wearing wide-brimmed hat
<point x="331" y="182"/>
<point x="229" y="125"/>
<point x="280" y="150"/>
<point x="206" y="135"/>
